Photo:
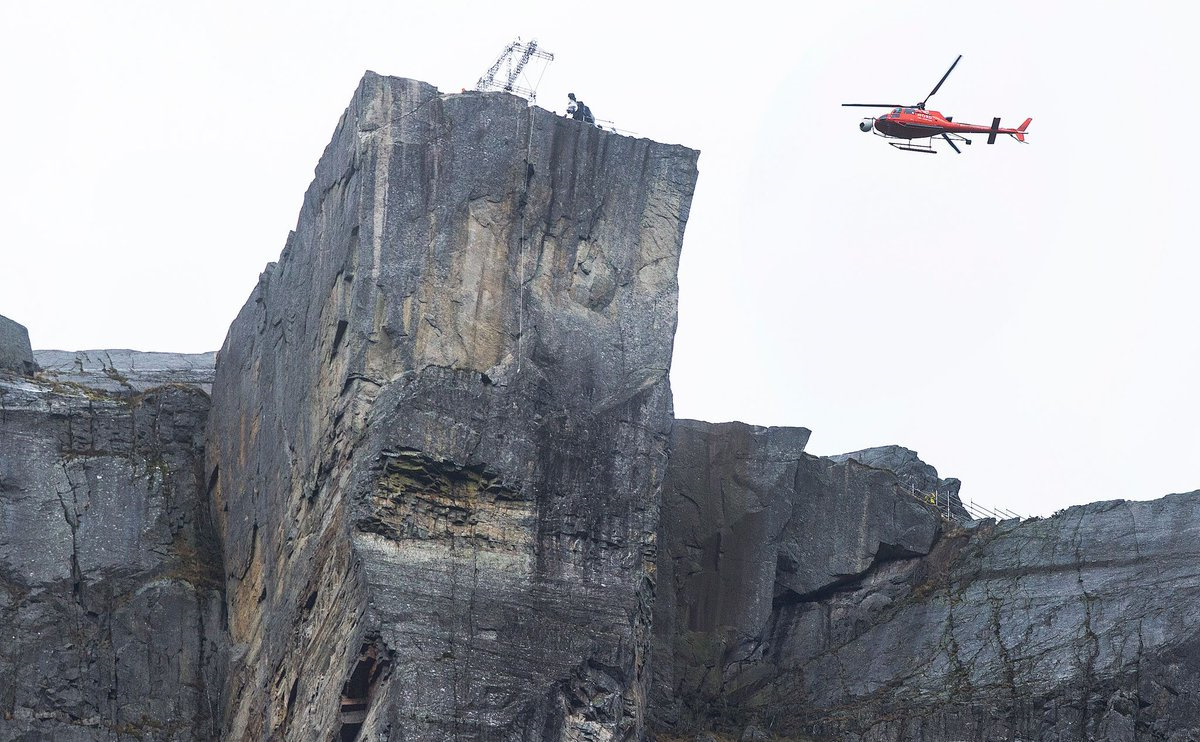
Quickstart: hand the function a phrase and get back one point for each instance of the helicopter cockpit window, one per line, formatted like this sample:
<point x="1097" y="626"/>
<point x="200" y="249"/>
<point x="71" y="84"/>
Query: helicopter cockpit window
<point x="908" y="110"/>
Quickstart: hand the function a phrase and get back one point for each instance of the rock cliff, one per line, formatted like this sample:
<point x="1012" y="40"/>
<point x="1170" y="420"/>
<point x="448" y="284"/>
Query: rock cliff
<point x="16" y="355"/>
<point x="751" y="527"/>
<point x="438" y="494"/>
<point x="440" y="425"/>
<point x="895" y="624"/>
<point x="1076" y="627"/>
<point x="908" y="468"/>
<point x="123" y="372"/>
<point x="110" y="579"/>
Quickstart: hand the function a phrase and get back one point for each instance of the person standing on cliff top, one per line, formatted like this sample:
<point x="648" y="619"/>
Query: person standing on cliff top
<point x="579" y="111"/>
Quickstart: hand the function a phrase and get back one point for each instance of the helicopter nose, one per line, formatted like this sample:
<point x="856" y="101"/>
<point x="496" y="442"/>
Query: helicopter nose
<point x="866" y="124"/>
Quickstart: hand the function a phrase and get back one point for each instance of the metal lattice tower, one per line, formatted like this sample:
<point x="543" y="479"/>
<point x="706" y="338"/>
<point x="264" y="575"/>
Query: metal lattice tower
<point x="511" y="64"/>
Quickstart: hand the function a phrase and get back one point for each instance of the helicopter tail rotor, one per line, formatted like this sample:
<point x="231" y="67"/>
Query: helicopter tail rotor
<point x="1020" y="135"/>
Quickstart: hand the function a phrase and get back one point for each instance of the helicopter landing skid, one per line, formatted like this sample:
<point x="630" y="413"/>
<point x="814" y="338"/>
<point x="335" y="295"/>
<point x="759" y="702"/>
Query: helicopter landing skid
<point x="910" y="147"/>
<point x="950" y="137"/>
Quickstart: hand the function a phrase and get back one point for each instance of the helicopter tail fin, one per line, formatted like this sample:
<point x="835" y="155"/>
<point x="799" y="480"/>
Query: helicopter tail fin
<point x="1020" y="135"/>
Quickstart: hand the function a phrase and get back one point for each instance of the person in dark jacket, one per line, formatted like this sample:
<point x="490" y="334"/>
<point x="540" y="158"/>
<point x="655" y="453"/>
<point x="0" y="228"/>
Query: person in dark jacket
<point x="579" y="111"/>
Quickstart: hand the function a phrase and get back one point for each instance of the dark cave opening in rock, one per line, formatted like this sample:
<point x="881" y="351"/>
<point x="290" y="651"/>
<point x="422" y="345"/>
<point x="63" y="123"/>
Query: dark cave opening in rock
<point x="360" y="688"/>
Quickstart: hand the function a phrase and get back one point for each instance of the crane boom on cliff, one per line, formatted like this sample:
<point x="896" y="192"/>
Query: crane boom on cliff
<point x="510" y="65"/>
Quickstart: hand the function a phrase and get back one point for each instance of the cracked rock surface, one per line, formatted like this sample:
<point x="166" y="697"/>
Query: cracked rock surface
<point x="439" y="429"/>
<point x="110" y="591"/>
<point x="1080" y="626"/>
<point x="424" y="502"/>
<point x="127" y="371"/>
<point x="814" y="599"/>
<point x="910" y="470"/>
<point x="751" y="528"/>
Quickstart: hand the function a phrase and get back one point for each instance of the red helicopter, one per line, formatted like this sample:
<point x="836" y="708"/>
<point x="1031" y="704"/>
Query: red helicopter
<point x="914" y="122"/>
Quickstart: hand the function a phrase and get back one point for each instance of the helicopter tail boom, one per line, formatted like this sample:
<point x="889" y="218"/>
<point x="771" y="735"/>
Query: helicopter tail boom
<point x="1020" y="135"/>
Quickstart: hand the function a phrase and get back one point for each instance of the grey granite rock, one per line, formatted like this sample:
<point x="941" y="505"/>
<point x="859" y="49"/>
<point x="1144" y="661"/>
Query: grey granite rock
<point x="16" y="356"/>
<point x="127" y="371"/>
<point x="912" y="472"/>
<point x="439" y="429"/>
<point x="751" y="525"/>
<point x="901" y="461"/>
<point x="429" y="507"/>
<point x="1076" y="627"/>
<point x="1079" y="626"/>
<point x="110" y="593"/>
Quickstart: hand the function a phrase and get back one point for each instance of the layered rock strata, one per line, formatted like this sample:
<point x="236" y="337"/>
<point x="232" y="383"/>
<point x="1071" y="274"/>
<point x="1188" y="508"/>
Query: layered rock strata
<point x="123" y="372"/>
<point x="110" y="579"/>
<point x="439" y="429"/>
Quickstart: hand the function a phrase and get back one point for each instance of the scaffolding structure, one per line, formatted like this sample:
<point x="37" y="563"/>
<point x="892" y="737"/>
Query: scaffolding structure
<point x="509" y="73"/>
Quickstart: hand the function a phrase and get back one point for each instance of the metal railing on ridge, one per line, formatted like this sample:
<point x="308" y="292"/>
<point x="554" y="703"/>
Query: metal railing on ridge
<point x="945" y="505"/>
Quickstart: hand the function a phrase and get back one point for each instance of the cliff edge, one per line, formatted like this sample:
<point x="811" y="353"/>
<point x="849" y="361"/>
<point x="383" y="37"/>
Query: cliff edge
<point x="438" y="493"/>
<point x="440" y="428"/>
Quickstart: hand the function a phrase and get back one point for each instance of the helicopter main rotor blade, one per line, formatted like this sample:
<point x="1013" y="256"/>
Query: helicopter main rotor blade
<point x="951" y="143"/>
<point x="939" y="85"/>
<point x="875" y="105"/>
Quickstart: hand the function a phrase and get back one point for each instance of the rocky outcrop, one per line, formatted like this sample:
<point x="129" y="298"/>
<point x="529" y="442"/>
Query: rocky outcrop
<point x="905" y="464"/>
<point x="16" y="356"/>
<point x="920" y="478"/>
<point x="425" y="502"/>
<point x="110" y="579"/>
<point x="751" y="528"/>
<point x="439" y="429"/>
<point x="123" y="372"/>
<point x="1075" y="627"/>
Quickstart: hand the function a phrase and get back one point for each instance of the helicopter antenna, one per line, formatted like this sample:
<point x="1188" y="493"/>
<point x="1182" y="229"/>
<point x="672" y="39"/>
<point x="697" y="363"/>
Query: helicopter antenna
<point x="921" y="105"/>
<point x="504" y="73"/>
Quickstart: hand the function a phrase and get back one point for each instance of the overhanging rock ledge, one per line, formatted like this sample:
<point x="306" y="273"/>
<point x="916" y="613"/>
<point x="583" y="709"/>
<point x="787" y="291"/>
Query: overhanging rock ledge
<point x="439" y="429"/>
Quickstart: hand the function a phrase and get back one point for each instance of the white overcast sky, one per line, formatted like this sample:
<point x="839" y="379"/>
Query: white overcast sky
<point x="1022" y="316"/>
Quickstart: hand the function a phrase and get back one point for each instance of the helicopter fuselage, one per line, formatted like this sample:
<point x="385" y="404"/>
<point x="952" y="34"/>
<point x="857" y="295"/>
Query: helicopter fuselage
<point x="917" y="123"/>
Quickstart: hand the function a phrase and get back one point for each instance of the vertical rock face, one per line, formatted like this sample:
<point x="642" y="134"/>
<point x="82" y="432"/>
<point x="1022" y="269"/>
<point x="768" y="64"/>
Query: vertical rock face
<point x="751" y="528"/>
<point x="16" y="355"/>
<point x="110" y="580"/>
<point x="439" y="429"/>
<point x="1075" y="627"/>
<point x="814" y="599"/>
